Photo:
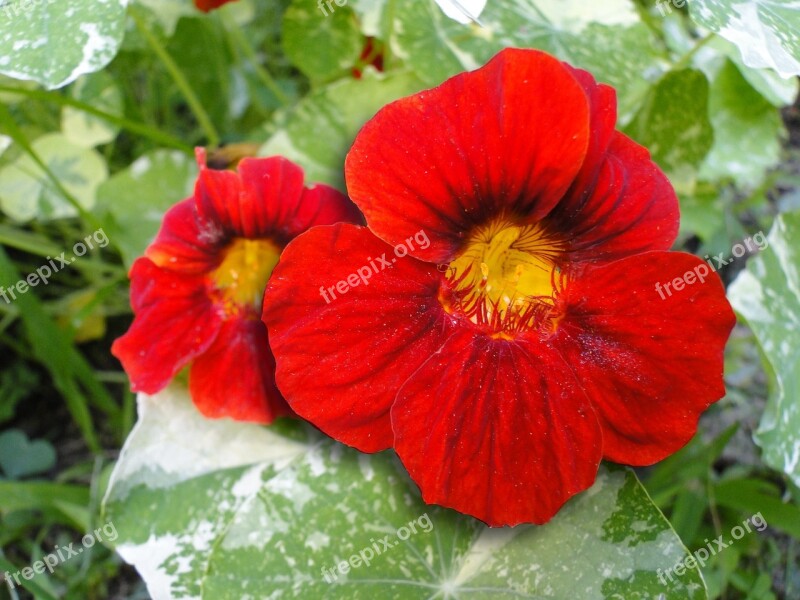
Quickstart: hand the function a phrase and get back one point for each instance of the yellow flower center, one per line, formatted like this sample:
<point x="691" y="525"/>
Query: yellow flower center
<point x="242" y="276"/>
<point x="507" y="277"/>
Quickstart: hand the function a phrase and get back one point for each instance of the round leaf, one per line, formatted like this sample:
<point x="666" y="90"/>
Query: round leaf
<point x="26" y="192"/>
<point x="54" y="42"/>
<point x="222" y="510"/>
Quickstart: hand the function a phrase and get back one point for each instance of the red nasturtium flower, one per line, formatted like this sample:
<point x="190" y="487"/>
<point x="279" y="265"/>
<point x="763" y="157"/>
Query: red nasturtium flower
<point x="524" y="341"/>
<point x="209" y="5"/>
<point x="197" y="293"/>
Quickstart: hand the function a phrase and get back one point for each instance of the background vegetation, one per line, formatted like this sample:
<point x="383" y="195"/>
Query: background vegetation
<point x="113" y="150"/>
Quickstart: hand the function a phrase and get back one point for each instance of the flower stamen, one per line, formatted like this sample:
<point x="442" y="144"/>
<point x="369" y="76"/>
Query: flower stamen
<point x="242" y="276"/>
<point x="507" y="278"/>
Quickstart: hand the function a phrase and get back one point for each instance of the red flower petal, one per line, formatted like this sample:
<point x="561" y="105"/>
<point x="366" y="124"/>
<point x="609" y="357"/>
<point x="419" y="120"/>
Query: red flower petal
<point x="267" y="197"/>
<point x="508" y="138"/>
<point x="630" y="208"/>
<point x="175" y="322"/>
<point x="220" y="198"/>
<point x="281" y="204"/>
<point x="235" y="377"/>
<point x="499" y="430"/>
<point x="184" y="242"/>
<point x="207" y="5"/>
<point x="620" y="203"/>
<point x="603" y="121"/>
<point x="649" y="366"/>
<point x="342" y="362"/>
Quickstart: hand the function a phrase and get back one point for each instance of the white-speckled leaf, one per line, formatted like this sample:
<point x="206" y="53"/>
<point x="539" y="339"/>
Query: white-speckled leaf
<point x="168" y="12"/>
<point x="319" y="130"/>
<point x="323" y="42"/>
<point x="462" y="11"/>
<point x="371" y="12"/>
<point x="767" y="32"/>
<point x="673" y="123"/>
<point x="100" y="91"/>
<point x="767" y="295"/>
<point x="26" y="192"/>
<point x="739" y="112"/>
<point x="775" y="89"/>
<point x="606" y="38"/>
<point x="219" y="510"/>
<point x="55" y="41"/>
<point x="371" y="15"/>
<point x="5" y="143"/>
<point x="132" y="202"/>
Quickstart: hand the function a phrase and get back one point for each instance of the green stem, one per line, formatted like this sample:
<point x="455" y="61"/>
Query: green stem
<point x="685" y="60"/>
<point x="180" y="80"/>
<point x="262" y="73"/>
<point x="388" y="58"/>
<point x="138" y="128"/>
<point x="16" y="134"/>
<point x="27" y="242"/>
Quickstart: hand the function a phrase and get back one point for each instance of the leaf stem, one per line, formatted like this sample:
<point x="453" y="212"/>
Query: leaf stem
<point x="180" y="80"/>
<point x="685" y="60"/>
<point x="235" y="34"/>
<point x="134" y="127"/>
<point x="16" y="134"/>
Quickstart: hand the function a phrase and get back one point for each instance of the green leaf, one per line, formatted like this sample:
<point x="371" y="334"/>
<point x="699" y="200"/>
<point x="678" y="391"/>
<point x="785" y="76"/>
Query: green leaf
<point x="767" y="295"/>
<point x="17" y="382"/>
<point x="70" y="372"/>
<point x="673" y="124"/>
<point x="319" y="131"/>
<point x="200" y="504"/>
<point x="83" y="129"/>
<point x="47" y="497"/>
<point x="767" y="32"/>
<point x="702" y="212"/>
<point x="32" y="585"/>
<point x="26" y="193"/>
<point x="202" y="56"/>
<point x="739" y="112"/>
<point x="776" y="90"/>
<point x="609" y="39"/>
<point x="371" y="16"/>
<point x="134" y="200"/>
<point x="754" y="496"/>
<point x="321" y="44"/>
<point x="156" y="135"/>
<point x="168" y="12"/>
<point x="55" y="42"/>
<point x="692" y="462"/>
<point x="20" y="457"/>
